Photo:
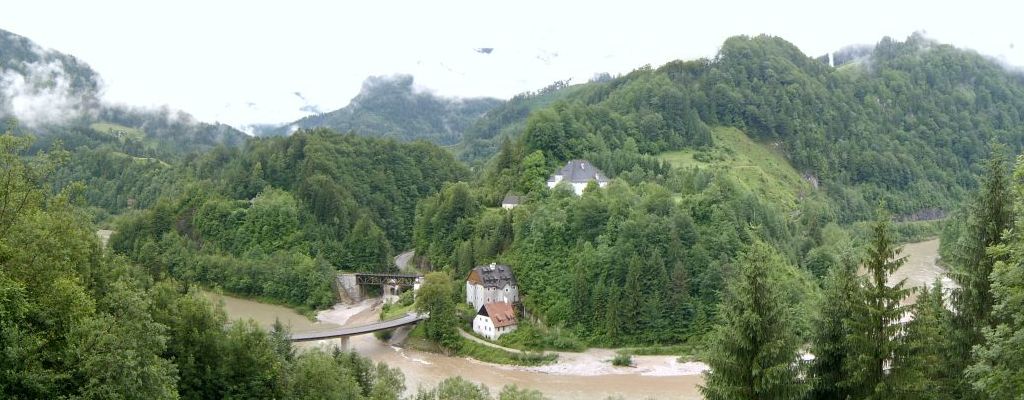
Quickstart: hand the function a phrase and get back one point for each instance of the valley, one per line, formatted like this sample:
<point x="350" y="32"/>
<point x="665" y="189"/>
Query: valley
<point x="576" y="376"/>
<point x="722" y="228"/>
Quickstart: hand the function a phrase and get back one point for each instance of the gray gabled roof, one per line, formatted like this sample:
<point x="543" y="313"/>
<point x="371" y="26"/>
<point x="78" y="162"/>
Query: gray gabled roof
<point x="580" y="171"/>
<point x="512" y="199"/>
<point x="492" y="276"/>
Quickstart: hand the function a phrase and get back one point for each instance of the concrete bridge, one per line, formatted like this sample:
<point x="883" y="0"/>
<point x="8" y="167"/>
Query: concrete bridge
<point x="344" y="333"/>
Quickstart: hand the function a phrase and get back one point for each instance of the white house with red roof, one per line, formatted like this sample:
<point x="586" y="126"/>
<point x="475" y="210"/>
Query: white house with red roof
<point x="494" y="320"/>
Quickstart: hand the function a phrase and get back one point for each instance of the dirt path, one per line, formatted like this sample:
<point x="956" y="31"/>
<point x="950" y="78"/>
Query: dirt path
<point x="469" y="336"/>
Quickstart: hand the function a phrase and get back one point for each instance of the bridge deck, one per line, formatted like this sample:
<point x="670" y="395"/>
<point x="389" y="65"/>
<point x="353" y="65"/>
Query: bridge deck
<point x="413" y="276"/>
<point x="410" y="318"/>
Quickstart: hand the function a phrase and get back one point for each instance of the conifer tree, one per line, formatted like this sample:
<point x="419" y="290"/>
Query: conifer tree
<point x="754" y="350"/>
<point x="613" y="319"/>
<point x="874" y="325"/>
<point x="632" y="299"/>
<point x="988" y="216"/>
<point x="579" y="294"/>
<point x="680" y="307"/>
<point x="830" y="340"/>
<point x="997" y="371"/>
<point x="922" y="367"/>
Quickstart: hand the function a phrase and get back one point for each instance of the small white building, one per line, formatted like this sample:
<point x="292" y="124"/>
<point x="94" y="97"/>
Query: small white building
<point x="491" y="284"/>
<point x="494" y="320"/>
<point x="511" y="201"/>
<point x="578" y="173"/>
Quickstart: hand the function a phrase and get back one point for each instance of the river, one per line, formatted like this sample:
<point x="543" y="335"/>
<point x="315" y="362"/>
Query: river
<point x="585" y="375"/>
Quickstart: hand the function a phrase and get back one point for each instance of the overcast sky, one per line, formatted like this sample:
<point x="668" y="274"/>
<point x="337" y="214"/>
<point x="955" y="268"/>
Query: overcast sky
<point x="261" y="62"/>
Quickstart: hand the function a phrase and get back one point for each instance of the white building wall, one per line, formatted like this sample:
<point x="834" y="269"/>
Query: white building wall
<point x="578" y="187"/>
<point x="478" y="295"/>
<point x="485" y="327"/>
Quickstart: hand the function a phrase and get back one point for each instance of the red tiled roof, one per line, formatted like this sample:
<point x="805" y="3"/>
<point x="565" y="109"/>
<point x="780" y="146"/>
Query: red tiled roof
<point x="501" y="314"/>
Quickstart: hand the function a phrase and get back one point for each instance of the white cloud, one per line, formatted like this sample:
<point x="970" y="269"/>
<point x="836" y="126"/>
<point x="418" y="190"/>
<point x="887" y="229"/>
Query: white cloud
<point x="213" y="58"/>
<point x="41" y="95"/>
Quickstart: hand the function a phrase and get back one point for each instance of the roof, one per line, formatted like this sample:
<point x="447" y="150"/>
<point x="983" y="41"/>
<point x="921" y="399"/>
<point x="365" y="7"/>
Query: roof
<point x="501" y="314"/>
<point x="580" y="171"/>
<point x="510" y="199"/>
<point x="492" y="276"/>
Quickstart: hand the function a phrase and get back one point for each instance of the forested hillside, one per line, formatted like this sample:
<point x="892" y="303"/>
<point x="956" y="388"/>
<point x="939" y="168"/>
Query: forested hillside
<point x="736" y="222"/>
<point x="392" y="107"/>
<point x="483" y="137"/>
<point x="279" y="216"/>
<point x="78" y="321"/>
<point x="120" y="153"/>
<point x="761" y="143"/>
<point x="906" y="123"/>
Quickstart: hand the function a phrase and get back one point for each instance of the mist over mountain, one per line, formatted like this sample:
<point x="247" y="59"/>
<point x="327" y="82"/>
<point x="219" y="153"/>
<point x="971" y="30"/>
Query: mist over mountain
<point x="394" y="107"/>
<point x="40" y="86"/>
<point x="56" y="96"/>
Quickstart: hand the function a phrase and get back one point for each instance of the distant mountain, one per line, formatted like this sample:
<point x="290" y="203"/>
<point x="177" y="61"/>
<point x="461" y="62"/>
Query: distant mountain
<point x="392" y="107"/>
<point x="55" y="96"/>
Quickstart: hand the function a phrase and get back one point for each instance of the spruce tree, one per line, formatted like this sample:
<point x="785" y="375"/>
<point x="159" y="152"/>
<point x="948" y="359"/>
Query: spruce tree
<point x="631" y="301"/>
<point x="874" y="324"/>
<point x="988" y="216"/>
<point x="997" y="370"/>
<point x="831" y="333"/>
<point x="922" y="368"/>
<point x="754" y="349"/>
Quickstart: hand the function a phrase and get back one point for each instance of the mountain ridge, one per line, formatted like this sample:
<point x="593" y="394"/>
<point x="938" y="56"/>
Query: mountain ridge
<point x="393" y="107"/>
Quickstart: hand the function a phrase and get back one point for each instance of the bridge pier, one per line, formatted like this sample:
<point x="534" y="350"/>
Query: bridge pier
<point x="391" y="293"/>
<point x="349" y="290"/>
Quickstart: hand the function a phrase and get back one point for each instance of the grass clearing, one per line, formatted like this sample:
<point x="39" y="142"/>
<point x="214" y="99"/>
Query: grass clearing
<point x="759" y="167"/>
<point x="417" y="340"/>
<point x="393" y="311"/>
<point x="493" y="355"/>
<point x="118" y="131"/>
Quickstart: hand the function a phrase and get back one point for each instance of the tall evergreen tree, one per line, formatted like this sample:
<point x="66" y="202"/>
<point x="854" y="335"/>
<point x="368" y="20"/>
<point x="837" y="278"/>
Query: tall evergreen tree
<point x="754" y="350"/>
<point x="632" y="299"/>
<point x="988" y="216"/>
<point x="832" y="332"/>
<point x="680" y="307"/>
<point x="874" y="325"/>
<point x="922" y="367"/>
<point x="997" y="371"/>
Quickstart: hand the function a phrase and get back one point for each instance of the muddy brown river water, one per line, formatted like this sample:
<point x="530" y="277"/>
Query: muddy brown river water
<point x="577" y="375"/>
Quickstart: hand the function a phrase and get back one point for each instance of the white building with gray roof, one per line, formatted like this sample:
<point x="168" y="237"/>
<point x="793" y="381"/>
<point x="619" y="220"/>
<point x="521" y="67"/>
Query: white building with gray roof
<point x="491" y="284"/>
<point x="578" y="173"/>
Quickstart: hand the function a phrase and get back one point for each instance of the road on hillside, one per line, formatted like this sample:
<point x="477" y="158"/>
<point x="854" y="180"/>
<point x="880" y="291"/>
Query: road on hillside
<point x="402" y="261"/>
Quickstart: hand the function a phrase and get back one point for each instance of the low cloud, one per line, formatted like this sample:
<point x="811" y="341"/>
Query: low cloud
<point x="41" y="93"/>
